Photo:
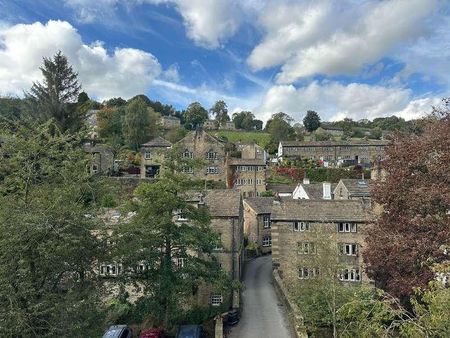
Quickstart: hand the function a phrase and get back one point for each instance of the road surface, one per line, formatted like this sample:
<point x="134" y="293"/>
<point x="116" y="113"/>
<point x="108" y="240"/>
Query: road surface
<point x="263" y="316"/>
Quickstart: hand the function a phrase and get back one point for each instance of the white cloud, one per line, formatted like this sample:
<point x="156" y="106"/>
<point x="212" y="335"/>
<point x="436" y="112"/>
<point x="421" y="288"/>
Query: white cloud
<point x="123" y="72"/>
<point x="334" y="101"/>
<point x="331" y="38"/>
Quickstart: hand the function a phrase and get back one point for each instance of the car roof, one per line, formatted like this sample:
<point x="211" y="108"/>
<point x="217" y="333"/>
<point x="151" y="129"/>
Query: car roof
<point x="114" y="331"/>
<point x="150" y="333"/>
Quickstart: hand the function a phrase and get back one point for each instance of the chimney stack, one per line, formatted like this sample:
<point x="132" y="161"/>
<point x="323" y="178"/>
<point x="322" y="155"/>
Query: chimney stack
<point x="326" y="190"/>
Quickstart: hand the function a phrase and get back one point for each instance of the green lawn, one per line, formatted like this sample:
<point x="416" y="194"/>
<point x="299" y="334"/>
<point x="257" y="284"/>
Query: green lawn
<point x="261" y="138"/>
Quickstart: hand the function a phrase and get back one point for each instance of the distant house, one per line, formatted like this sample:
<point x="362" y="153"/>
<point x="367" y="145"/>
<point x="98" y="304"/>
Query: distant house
<point x="337" y="152"/>
<point x="317" y="191"/>
<point x="229" y="125"/>
<point x="304" y="232"/>
<point x="170" y="122"/>
<point x="153" y="156"/>
<point x="257" y="226"/>
<point x="198" y="144"/>
<point x="102" y="158"/>
<point x="348" y="189"/>
<point x="210" y="125"/>
<point x="336" y="131"/>
<point x="247" y="175"/>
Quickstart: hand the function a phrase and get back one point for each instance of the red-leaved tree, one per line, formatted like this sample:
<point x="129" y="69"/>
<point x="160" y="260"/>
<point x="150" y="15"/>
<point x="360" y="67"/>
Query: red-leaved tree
<point x="414" y="227"/>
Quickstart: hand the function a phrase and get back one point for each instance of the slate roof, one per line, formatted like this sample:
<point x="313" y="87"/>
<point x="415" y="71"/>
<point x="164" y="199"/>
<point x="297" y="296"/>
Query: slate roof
<point x="281" y="188"/>
<point x="358" y="187"/>
<point x="158" y="142"/>
<point x="223" y="202"/>
<point x="261" y="205"/>
<point x="247" y="161"/>
<point x="319" y="210"/>
<point x="315" y="190"/>
<point x="335" y="143"/>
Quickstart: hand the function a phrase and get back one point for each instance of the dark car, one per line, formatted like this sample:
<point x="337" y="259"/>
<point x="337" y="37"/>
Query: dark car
<point x="152" y="333"/>
<point x="190" y="331"/>
<point x="233" y="317"/>
<point x="118" y="331"/>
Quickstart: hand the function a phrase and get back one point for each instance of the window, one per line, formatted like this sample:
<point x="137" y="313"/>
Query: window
<point x="216" y="299"/>
<point x="210" y="155"/>
<point x="212" y="170"/>
<point x="348" y="249"/>
<point x="266" y="221"/>
<point x="306" y="273"/>
<point x="347" y="227"/>
<point x="187" y="170"/>
<point x="94" y="169"/>
<point x="110" y="269"/>
<point x="301" y="226"/>
<point x="219" y="246"/>
<point x="147" y="155"/>
<point x="305" y="248"/>
<point x="267" y="240"/>
<point x="180" y="215"/>
<point x="259" y="181"/>
<point x="188" y="154"/>
<point x="349" y="275"/>
<point x="180" y="262"/>
<point x="140" y="268"/>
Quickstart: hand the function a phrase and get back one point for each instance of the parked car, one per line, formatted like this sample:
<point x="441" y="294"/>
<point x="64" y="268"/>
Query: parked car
<point x="233" y="317"/>
<point x="118" y="331"/>
<point x="152" y="333"/>
<point x="190" y="331"/>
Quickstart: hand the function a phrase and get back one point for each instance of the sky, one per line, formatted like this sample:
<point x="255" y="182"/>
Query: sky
<point x="348" y="58"/>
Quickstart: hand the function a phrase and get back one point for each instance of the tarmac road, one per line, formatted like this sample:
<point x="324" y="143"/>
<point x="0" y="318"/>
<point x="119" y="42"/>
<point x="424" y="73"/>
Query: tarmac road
<point x="263" y="315"/>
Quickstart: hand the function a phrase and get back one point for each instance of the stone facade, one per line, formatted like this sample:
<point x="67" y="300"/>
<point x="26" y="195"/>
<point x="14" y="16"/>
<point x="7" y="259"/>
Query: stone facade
<point x="311" y="235"/>
<point x="335" y="152"/>
<point x="252" y="151"/>
<point x="210" y="125"/>
<point x="257" y="224"/>
<point x="247" y="175"/>
<point x="200" y="145"/>
<point x="102" y="158"/>
<point x="153" y="156"/>
<point x="229" y="125"/>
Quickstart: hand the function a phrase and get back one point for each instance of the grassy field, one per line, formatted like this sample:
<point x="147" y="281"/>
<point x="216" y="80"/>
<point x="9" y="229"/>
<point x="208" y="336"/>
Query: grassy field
<point x="261" y="138"/>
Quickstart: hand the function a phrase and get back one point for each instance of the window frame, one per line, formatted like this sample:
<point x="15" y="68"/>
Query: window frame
<point x="266" y="222"/>
<point x="216" y="299"/>
<point x="301" y="226"/>
<point x="267" y="241"/>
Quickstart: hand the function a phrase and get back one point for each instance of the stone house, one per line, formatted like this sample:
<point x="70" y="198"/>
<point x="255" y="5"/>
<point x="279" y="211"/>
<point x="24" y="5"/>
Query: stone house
<point x="153" y="156"/>
<point x="338" y="153"/>
<point x="229" y="125"/>
<point x="210" y="125"/>
<point x="247" y="176"/>
<point x="310" y="236"/>
<point x="315" y="191"/>
<point x="335" y="131"/>
<point x="348" y="189"/>
<point x="282" y="190"/>
<point x="252" y="151"/>
<point x="101" y="156"/>
<point x="198" y="144"/>
<point x="170" y="122"/>
<point x="257" y="224"/>
<point x="227" y="218"/>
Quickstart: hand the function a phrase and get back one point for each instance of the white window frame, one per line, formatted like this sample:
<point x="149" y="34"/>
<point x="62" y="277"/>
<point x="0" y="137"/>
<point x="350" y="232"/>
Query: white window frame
<point x="350" y="275"/>
<point x="307" y="273"/>
<point x="181" y="216"/>
<point x="141" y="267"/>
<point x="180" y="262"/>
<point x="110" y="269"/>
<point x="306" y="248"/>
<point x="301" y="226"/>
<point x="211" y="155"/>
<point x="187" y="170"/>
<point x="348" y="249"/>
<point x="219" y="248"/>
<point x="347" y="227"/>
<point x="267" y="241"/>
<point x="212" y="170"/>
<point x="147" y="155"/>
<point x="266" y="222"/>
<point x="188" y="154"/>
<point x="216" y="299"/>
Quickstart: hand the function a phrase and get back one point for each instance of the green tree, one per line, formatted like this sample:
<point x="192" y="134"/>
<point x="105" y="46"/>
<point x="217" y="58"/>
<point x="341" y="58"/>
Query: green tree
<point x="47" y="249"/>
<point x="220" y="111"/>
<point x="156" y="239"/>
<point x="311" y="121"/>
<point x="244" y="120"/>
<point x="376" y="133"/>
<point x="83" y="98"/>
<point x="139" y="123"/>
<point x="56" y="96"/>
<point x="115" y="102"/>
<point x="195" y="115"/>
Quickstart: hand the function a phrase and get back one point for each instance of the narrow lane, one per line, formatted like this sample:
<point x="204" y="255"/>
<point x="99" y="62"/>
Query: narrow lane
<point x="263" y="316"/>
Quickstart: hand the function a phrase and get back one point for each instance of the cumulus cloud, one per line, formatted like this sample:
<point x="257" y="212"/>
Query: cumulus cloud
<point x="335" y="101"/>
<point x="123" y="72"/>
<point x="331" y="38"/>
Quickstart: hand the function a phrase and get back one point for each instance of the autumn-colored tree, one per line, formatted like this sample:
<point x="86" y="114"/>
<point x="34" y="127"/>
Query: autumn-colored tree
<point x="409" y="235"/>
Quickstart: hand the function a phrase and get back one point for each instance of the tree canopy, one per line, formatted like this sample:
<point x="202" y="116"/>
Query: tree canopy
<point x="220" y="112"/>
<point x="57" y="95"/>
<point x="195" y="115"/>
<point x="311" y="121"/>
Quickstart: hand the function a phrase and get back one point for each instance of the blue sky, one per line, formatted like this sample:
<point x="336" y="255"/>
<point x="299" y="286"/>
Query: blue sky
<point x="348" y="58"/>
